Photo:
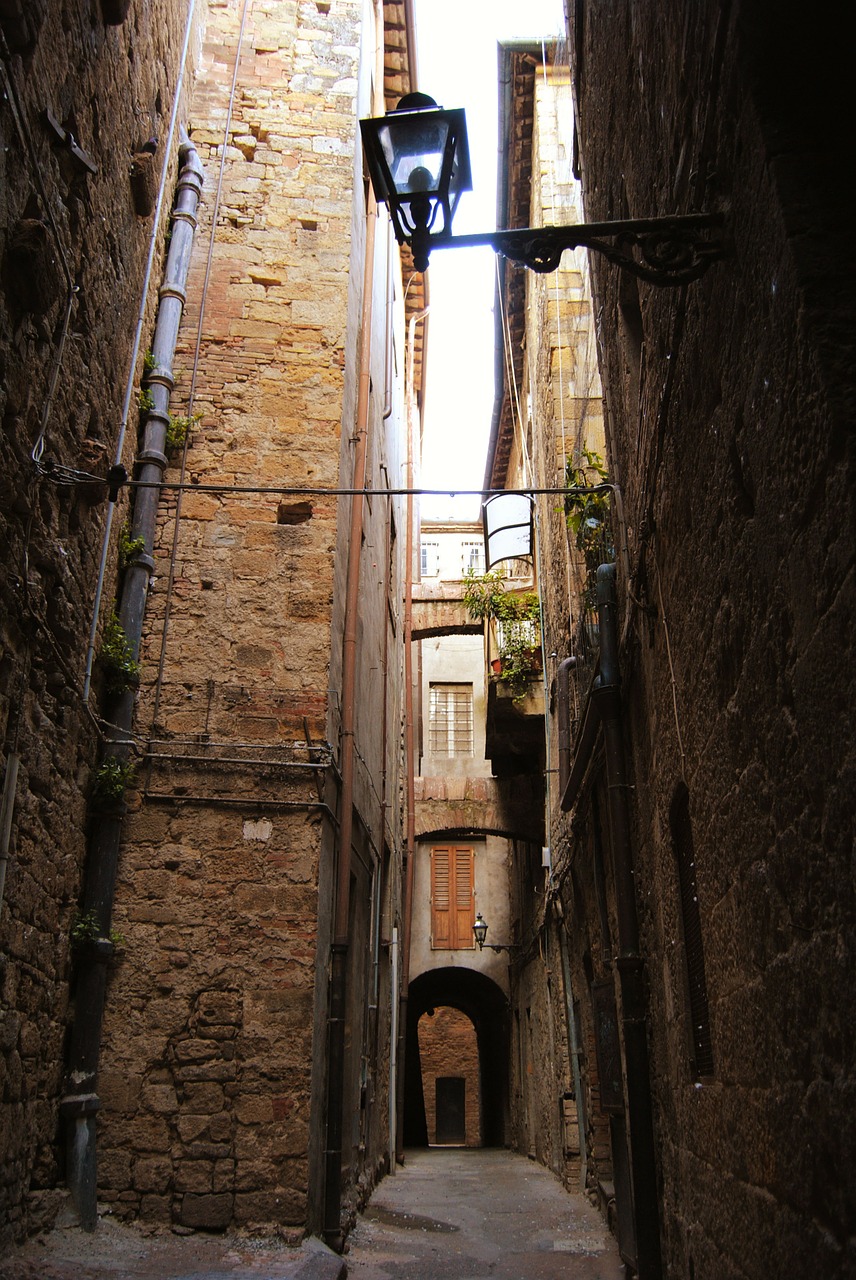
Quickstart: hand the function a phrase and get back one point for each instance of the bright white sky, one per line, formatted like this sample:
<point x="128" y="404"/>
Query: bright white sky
<point x="456" y="43"/>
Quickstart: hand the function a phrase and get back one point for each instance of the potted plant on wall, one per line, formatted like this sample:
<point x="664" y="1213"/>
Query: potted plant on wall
<point x="517" y="615"/>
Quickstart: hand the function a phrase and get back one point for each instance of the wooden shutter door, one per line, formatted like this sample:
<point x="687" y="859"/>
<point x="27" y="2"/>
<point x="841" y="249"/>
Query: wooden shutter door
<point x="441" y="901"/>
<point x="463" y="931"/>
<point x="451" y="897"/>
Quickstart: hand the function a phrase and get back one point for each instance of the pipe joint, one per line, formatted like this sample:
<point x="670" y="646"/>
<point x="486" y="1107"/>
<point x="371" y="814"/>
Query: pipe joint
<point x="142" y="561"/>
<point x="172" y="290"/>
<point x="79" y="1104"/>
<point x="162" y="377"/>
<point x="184" y="215"/>
<point x="155" y="457"/>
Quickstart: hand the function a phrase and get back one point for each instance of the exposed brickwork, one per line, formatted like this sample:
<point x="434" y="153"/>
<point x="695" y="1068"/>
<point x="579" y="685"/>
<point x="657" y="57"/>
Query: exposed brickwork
<point x="112" y="88"/>
<point x="447" y="1047"/>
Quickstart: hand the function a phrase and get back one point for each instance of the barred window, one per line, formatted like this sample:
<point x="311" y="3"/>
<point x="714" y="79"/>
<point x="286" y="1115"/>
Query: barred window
<point x="450" y="720"/>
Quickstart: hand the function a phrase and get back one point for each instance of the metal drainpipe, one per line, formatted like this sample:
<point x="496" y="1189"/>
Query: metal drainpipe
<point x="629" y="962"/>
<point x="339" y="949"/>
<point x="138" y="331"/>
<point x="81" y="1102"/>
<point x="563" y="707"/>
<point x="410" y="745"/>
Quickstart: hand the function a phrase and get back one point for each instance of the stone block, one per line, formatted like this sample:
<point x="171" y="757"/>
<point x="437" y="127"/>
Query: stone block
<point x="152" y="1175"/>
<point x="206" y="1212"/>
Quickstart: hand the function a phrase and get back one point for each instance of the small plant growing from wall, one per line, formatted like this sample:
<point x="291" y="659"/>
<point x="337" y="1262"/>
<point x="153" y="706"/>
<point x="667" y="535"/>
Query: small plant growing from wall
<point x="517" y="615"/>
<point x="587" y="517"/>
<point x="111" y="780"/>
<point x="121" y="670"/>
<point x="145" y="402"/>
<point x="148" y="363"/>
<point x="177" y="429"/>
<point x="86" y="933"/>
<point x="129" y="548"/>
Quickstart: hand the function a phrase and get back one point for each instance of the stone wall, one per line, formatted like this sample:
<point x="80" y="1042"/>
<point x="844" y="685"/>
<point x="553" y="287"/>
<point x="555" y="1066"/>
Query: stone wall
<point x="736" y="450"/>
<point x="213" y="1098"/>
<point x="74" y="239"/>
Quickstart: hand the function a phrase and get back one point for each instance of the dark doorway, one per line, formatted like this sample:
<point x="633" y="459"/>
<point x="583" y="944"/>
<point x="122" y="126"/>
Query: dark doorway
<point x="451" y="1110"/>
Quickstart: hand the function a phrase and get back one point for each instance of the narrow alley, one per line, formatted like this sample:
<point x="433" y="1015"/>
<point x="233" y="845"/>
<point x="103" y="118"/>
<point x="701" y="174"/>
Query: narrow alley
<point x="448" y="1214"/>
<point x="461" y="1212"/>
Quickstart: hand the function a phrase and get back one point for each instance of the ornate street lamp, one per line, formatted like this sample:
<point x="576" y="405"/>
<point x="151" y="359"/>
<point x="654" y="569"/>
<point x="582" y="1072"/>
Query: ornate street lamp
<point x="480" y="934"/>
<point x="419" y="163"/>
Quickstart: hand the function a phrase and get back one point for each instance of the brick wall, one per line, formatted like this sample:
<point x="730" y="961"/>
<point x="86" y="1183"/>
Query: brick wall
<point x="214" y="1101"/>
<point x="447" y="1047"/>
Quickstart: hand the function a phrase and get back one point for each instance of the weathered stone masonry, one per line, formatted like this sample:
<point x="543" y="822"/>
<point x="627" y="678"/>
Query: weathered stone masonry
<point x="207" y="1099"/>
<point x="67" y="217"/>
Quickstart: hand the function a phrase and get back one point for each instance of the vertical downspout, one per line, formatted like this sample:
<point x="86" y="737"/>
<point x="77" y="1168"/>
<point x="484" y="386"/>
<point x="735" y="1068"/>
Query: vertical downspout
<point x="81" y="1102"/>
<point x="138" y="331"/>
<point x="629" y="963"/>
<point x="342" y="905"/>
<point x="573" y="1043"/>
<point x="410" y="745"/>
<point x="393" y="1048"/>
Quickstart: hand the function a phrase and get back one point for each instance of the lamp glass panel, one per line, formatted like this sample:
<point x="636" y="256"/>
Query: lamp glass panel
<point x="508" y="527"/>
<point x="414" y="151"/>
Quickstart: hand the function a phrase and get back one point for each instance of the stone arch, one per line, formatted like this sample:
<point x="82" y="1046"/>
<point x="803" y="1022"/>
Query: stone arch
<point x="485" y="1004"/>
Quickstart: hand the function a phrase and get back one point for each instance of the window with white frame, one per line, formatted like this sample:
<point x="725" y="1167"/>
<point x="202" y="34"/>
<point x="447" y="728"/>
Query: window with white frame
<point x="450" y="720"/>
<point x="473" y="557"/>
<point x="430" y="558"/>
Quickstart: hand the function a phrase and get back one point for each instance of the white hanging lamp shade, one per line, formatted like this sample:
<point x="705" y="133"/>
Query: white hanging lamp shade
<point x="507" y="520"/>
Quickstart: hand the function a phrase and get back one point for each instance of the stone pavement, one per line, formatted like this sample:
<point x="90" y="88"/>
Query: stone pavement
<point x="117" y="1252"/>
<point x="449" y="1214"/>
<point x="479" y="1215"/>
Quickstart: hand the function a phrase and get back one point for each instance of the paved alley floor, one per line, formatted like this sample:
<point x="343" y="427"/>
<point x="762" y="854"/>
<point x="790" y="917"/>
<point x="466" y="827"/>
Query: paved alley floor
<point x="449" y="1214"/>
<point x="479" y="1215"/>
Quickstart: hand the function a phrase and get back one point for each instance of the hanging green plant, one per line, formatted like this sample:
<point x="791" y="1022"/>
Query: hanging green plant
<point x="85" y="932"/>
<point x="129" y="548"/>
<point x="121" y="670"/>
<point x="111" y="780"/>
<point x="148" y="363"/>
<point x="587" y="514"/>
<point x="517" y="615"/>
<point x="177" y="429"/>
<point x="145" y="401"/>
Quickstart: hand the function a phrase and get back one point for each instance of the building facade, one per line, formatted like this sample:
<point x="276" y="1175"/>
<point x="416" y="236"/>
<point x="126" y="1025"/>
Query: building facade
<point x="218" y="963"/>
<point x="701" y="895"/>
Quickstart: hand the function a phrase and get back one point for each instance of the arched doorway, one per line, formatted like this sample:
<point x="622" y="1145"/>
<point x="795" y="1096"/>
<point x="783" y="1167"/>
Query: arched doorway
<point x="451" y="1084"/>
<point x="486" y="1007"/>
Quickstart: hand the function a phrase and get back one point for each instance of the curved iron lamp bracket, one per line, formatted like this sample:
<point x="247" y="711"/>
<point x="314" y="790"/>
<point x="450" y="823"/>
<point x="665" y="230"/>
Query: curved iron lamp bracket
<point x="662" y="251"/>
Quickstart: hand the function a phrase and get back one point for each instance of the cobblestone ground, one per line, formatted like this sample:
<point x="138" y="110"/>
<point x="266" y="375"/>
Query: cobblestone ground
<point x="479" y="1215"/>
